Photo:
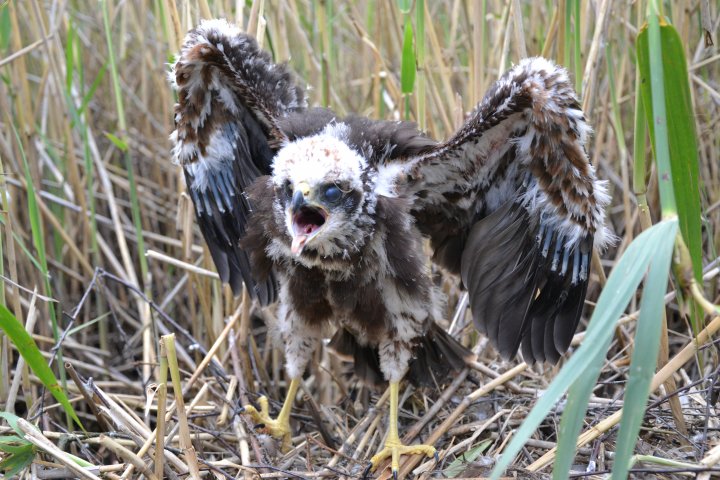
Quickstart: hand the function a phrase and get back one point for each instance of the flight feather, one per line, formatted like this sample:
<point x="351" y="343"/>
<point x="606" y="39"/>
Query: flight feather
<point x="230" y="97"/>
<point x="512" y="204"/>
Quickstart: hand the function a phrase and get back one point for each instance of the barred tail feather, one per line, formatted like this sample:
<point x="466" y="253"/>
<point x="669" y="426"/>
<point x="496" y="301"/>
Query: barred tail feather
<point x="435" y="357"/>
<point x="366" y="360"/>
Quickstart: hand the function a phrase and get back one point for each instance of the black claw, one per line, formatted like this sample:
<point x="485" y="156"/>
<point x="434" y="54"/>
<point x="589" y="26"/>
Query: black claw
<point x="395" y="475"/>
<point x="437" y="457"/>
<point x="367" y="471"/>
<point x="259" y="426"/>
<point x="241" y="410"/>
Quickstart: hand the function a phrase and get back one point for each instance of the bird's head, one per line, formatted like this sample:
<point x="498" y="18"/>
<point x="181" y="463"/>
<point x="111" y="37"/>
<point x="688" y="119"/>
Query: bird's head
<point x="319" y="187"/>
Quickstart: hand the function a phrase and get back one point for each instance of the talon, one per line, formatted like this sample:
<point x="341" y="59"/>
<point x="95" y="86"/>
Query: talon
<point x="437" y="457"/>
<point x="393" y="449"/>
<point x="264" y="404"/>
<point x="367" y="471"/>
<point x="278" y="427"/>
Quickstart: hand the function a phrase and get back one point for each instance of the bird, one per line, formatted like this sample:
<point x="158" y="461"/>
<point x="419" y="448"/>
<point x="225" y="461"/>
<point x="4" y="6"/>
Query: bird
<point x="329" y="216"/>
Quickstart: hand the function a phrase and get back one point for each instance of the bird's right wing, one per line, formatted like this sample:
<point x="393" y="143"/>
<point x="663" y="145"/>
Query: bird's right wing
<point x="230" y="97"/>
<point x="512" y="204"/>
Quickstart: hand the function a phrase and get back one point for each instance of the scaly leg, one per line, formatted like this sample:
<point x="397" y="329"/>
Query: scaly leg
<point x="279" y="427"/>
<point x="393" y="446"/>
<point x="299" y="340"/>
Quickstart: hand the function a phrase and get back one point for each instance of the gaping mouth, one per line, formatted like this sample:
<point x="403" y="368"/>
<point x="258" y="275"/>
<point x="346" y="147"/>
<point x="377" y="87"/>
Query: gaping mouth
<point x="306" y="223"/>
<point x="308" y="220"/>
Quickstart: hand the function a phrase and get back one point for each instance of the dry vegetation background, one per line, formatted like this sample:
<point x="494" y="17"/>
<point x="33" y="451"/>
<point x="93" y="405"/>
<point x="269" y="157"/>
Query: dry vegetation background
<point x="98" y="237"/>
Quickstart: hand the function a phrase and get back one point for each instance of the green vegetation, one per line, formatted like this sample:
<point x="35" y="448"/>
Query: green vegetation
<point x="101" y="260"/>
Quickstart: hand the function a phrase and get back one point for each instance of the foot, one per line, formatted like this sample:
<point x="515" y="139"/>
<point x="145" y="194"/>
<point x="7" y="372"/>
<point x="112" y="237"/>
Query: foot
<point x="394" y="448"/>
<point x="279" y="428"/>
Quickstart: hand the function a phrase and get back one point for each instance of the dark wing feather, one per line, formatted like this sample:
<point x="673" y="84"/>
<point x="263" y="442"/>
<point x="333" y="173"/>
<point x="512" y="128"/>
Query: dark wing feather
<point x="230" y="98"/>
<point x="512" y="204"/>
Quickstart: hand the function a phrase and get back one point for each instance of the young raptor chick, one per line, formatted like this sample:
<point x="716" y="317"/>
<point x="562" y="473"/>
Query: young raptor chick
<point x="337" y="210"/>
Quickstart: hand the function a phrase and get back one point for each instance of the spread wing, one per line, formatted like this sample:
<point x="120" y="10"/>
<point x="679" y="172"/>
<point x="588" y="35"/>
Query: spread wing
<point x="512" y="204"/>
<point x="230" y="96"/>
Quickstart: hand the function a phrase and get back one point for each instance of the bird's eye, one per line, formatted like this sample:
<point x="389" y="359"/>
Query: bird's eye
<point x="332" y="193"/>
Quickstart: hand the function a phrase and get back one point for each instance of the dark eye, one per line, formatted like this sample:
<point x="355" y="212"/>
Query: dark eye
<point x="332" y="193"/>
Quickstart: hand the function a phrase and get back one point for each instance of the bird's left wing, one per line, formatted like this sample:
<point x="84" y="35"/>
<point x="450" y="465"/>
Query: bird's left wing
<point x="230" y="97"/>
<point x="513" y="205"/>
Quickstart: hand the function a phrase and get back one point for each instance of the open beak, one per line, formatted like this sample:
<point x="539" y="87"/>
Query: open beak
<point x="307" y="220"/>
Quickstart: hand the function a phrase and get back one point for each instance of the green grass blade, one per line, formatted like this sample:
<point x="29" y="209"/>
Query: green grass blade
<point x="640" y="129"/>
<point x="5" y="28"/>
<point x="620" y="287"/>
<point x="69" y="56"/>
<point x="91" y="91"/>
<point x="12" y="420"/>
<point x="20" y="452"/>
<point x="117" y="141"/>
<point x="3" y="200"/>
<point x="407" y="67"/>
<point x="652" y="70"/>
<point x="18" y="445"/>
<point x="36" y="227"/>
<point x="567" y="40"/>
<point x="579" y="393"/>
<point x="39" y="241"/>
<point x="644" y="357"/>
<point x="31" y="353"/>
<point x="12" y="444"/>
<point x="577" y="62"/>
<point x="420" y="57"/>
<point x="659" y="48"/>
<point x="460" y="464"/>
<point x="574" y="415"/>
<point x="663" y="68"/>
<point x="16" y="462"/>
<point x="28" y="254"/>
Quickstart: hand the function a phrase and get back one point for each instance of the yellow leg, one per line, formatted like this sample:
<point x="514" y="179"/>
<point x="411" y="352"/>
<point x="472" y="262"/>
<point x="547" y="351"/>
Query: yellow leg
<point x="393" y="446"/>
<point x="279" y="427"/>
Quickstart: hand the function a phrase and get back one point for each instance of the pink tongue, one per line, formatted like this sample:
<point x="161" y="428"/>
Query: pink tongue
<point x="298" y="243"/>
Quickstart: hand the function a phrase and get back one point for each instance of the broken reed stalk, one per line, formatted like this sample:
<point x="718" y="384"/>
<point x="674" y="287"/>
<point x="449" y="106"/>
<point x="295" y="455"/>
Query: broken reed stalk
<point x="87" y="396"/>
<point x="152" y="254"/>
<point x="185" y="440"/>
<point x="223" y="418"/>
<point x="128" y="456"/>
<point x="238" y="425"/>
<point x="130" y="424"/>
<point x="161" y="408"/>
<point x="150" y="437"/>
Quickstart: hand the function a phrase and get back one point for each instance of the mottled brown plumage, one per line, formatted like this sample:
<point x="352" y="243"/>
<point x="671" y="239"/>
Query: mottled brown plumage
<point x="329" y="214"/>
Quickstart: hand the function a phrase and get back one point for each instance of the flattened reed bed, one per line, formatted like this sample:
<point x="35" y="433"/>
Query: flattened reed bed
<point x="123" y="277"/>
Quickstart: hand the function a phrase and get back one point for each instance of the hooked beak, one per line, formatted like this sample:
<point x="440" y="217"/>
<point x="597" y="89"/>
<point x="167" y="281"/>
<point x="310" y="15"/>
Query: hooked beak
<point x="298" y="201"/>
<point x="307" y="220"/>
